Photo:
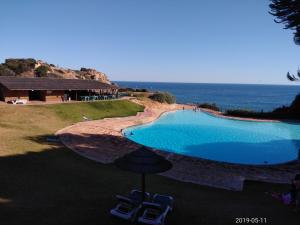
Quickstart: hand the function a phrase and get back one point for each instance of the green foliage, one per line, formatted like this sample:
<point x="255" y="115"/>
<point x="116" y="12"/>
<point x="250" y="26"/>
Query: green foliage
<point x="295" y="106"/>
<point x="140" y="94"/>
<point x="5" y="71"/>
<point x="242" y="113"/>
<point x="83" y="69"/>
<point x="284" y="112"/>
<point x="163" y="97"/>
<point x="20" y="65"/>
<point x="42" y="71"/>
<point x="141" y="90"/>
<point x="209" y="106"/>
<point x="287" y="13"/>
<point x="133" y="90"/>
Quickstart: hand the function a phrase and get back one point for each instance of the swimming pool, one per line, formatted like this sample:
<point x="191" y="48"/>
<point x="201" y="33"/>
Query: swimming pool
<point x="199" y="134"/>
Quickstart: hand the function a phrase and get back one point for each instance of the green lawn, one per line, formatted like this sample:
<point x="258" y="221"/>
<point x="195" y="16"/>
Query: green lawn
<point x="94" y="110"/>
<point x="21" y="125"/>
<point x="43" y="184"/>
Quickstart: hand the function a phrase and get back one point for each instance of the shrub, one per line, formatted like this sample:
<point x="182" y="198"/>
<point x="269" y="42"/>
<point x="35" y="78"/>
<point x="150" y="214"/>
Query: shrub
<point x="133" y="90"/>
<point x="20" y="65"/>
<point x="126" y="89"/>
<point x="141" y="90"/>
<point x="140" y="94"/>
<point x="295" y="106"/>
<point x="212" y="106"/>
<point x="5" y="71"/>
<point x="163" y="97"/>
<point x="284" y="112"/>
<point x="41" y="71"/>
<point x="83" y="69"/>
<point x="279" y="113"/>
<point x="241" y="112"/>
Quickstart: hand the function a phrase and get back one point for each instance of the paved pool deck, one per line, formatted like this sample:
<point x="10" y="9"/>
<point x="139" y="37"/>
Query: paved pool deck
<point x="102" y="141"/>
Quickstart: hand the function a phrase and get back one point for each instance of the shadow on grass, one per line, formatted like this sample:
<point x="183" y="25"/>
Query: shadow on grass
<point x="56" y="186"/>
<point x="46" y="139"/>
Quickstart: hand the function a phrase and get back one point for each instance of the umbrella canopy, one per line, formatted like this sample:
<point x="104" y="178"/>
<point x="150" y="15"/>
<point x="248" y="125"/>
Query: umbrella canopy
<point x="143" y="161"/>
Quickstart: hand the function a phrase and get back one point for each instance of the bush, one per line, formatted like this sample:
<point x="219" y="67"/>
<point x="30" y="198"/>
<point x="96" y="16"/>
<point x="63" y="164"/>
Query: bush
<point x="241" y="112"/>
<point x="163" y="97"/>
<point x="41" y="71"/>
<point x="20" y="65"/>
<point x="285" y="112"/>
<point x="212" y="106"/>
<point x="280" y="113"/>
<point x="133" y="90"/>
<point x="140" y="94"/>
<point x="5" y="71"/>
<point x="141" y="90"/>
<point x="83" y="69"/>
<point x="295" y="106"/>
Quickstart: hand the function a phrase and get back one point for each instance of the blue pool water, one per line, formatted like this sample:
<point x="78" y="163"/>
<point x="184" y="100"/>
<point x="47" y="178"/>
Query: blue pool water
<point x="202" y="135"/>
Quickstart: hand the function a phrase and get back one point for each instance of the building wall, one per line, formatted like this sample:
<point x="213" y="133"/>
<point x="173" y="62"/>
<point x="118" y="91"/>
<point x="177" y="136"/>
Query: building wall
<point x="53" y="96"/>
<point x="49" y="96"/>
<point x="8" y="95"/>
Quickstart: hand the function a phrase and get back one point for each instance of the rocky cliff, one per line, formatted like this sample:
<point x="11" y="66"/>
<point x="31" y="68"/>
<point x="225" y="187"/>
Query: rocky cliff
<point x="39" y="68"/>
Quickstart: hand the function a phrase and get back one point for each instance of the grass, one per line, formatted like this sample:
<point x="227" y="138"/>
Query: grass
<point x="49" y="184"/>
<point x="94" y="110"/>
<point x="20" y="124"/>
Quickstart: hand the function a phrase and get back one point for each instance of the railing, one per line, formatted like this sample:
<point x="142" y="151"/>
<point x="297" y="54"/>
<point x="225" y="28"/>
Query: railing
<point x="97" y="97"/>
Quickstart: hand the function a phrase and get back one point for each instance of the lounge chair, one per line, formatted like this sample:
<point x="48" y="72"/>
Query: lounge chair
<point x="128" y="207"/>
<point x="156" y="211"/>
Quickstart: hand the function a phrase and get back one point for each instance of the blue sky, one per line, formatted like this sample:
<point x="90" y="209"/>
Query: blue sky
<point x="221" y="41"/>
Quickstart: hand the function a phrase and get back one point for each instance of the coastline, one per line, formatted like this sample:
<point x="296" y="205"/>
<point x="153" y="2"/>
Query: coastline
<point x="102" y="141"/>
<point x="221" y="115"/>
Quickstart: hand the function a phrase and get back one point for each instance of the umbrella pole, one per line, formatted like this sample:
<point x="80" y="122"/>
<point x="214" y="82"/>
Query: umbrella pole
<point x="143" y="186"/>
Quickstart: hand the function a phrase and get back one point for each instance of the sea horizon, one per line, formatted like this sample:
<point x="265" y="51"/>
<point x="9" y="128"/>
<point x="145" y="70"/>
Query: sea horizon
<point x="255" y="97"/>
<point x="177" y="82"/>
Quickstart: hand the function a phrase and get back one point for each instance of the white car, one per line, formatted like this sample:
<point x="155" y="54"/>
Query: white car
<point x="18" y="101"/>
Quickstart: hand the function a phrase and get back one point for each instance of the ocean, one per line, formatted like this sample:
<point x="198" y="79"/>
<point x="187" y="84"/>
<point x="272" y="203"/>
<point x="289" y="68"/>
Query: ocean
<point x="227" y="96"/>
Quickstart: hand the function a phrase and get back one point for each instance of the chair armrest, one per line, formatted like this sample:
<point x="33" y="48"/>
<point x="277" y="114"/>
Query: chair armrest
<point x="124" y="199"/>
<point x="152" y="205"/>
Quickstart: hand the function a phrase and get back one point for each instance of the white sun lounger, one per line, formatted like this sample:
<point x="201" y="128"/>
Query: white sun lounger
<point x="156" y="211"/>
<point x="128" y="207"/>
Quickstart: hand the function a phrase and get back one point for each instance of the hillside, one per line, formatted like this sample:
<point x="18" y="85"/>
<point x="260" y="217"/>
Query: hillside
<point x="38" y="68"/>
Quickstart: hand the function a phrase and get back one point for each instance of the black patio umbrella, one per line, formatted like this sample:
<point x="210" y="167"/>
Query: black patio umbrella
<point x="143" y="161"/>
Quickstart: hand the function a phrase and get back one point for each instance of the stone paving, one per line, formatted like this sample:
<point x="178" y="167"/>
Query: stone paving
<point x="102" y="141"/>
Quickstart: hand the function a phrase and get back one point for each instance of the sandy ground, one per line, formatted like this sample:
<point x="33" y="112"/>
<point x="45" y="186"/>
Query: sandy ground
<point x="102" y="141"/>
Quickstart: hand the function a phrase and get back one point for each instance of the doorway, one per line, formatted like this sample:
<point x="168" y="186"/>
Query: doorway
<point x="35" y="95"/>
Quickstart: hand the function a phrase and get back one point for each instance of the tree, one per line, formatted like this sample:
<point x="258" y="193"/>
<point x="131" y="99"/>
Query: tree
<point x="163" y="97"/>
<point x="292" y="77"/>
<point x="41" y="71"/>
<point x="288" y="13"/>
<point x="5" y="71"/>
